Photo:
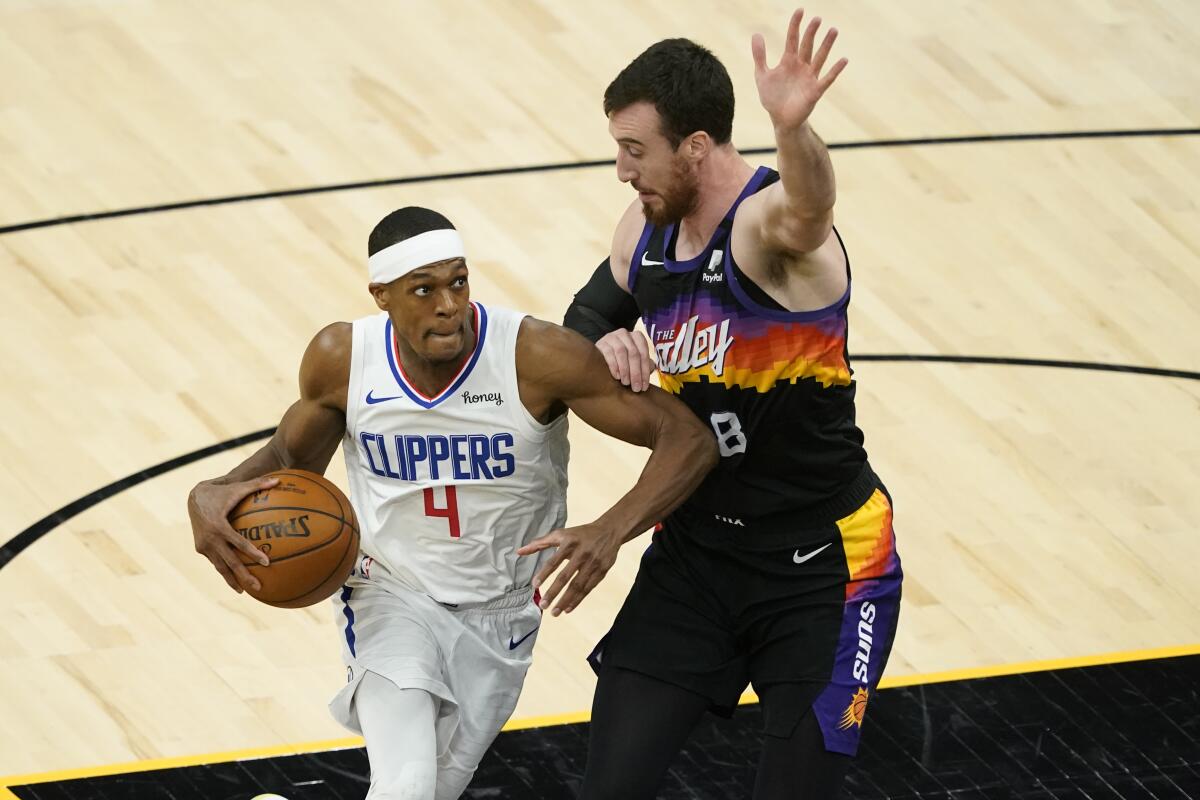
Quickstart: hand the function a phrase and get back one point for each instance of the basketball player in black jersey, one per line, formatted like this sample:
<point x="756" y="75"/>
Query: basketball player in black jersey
<point x="781" y="570"/>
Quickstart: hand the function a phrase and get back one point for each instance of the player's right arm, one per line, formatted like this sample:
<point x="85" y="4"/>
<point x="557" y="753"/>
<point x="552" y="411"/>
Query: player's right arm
<point x="306" y="438"/>
<point x="605" y="313"/>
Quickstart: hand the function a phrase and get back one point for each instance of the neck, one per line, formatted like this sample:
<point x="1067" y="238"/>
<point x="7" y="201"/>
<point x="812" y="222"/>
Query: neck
<point x="723" y="175"/>
<point x="430" y="378"/>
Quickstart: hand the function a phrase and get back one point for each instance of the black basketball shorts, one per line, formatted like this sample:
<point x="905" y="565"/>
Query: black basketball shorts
<point x="811" y="612"/>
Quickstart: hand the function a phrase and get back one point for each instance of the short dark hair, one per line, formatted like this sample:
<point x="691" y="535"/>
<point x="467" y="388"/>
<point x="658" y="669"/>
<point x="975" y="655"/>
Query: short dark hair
<point x="405" y="223"/>
<point x="687" y="84"/>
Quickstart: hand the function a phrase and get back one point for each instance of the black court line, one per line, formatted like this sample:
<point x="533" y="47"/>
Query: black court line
<point x="565" y="165"/>
<point x="37" y="530"/>
<point x="49" y="522"/>
<point x="1033" y="362"/>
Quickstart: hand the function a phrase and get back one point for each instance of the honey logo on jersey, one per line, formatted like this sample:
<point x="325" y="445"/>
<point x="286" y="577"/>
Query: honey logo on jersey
<point x="487" y="397"/>
<point x="856" y="711"/>
<point x="691" y="347"/>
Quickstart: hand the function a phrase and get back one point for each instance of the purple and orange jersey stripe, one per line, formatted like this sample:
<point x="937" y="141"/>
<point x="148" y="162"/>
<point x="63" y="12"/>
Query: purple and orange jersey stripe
<point x="870" y="544"/>
<point x="868" y="623"/>
<point x="763" y="353"/>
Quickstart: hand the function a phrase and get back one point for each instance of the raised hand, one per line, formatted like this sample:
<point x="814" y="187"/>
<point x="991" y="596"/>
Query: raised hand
<point x="789" y="91"/>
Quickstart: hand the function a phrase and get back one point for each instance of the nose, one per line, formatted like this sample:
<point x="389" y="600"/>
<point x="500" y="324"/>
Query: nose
<point x="447" y="303"/>
<point x="625" y="169"/>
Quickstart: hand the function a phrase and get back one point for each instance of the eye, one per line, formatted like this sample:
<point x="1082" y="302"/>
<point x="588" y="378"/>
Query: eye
<point x="421" y="291"/>
<point x="635" y="153"/>
<point x="460" y="283"/>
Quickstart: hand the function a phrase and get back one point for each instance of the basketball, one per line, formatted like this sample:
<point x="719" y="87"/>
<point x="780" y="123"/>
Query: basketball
<point x="308" y="530"/>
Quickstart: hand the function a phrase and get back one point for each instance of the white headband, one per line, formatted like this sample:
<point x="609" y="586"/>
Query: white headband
<point x="401" y="258"/>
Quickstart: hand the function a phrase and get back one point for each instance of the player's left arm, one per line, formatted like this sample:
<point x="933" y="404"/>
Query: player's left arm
<point x="559" y="369"/>
<point x="790" y="223"/>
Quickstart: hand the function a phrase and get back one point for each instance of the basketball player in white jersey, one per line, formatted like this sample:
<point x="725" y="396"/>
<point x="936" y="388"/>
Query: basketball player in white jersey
<point x="452" y="419"/>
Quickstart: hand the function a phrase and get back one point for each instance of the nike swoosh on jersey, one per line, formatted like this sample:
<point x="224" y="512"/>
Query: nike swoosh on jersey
<point x="514" y="645"/>
<point x="648" y="263"/>
<point x="799" y="559"/>
<point x="373" y="400"/>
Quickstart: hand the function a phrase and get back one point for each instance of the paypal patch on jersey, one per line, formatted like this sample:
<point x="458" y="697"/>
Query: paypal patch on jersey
<point x="447" y="487"/>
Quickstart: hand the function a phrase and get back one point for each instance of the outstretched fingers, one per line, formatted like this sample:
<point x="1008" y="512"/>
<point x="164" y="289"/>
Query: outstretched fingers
<point x="758" y="50"/>
<point x="564" y="577"/>
<point x="792" y="43"/>
<point x="560" y="555"/>
<point x="834" y="71"/>
<point x="579" y="588"/>
<point x="810" y="37"/>
<point x="818" y="61"/>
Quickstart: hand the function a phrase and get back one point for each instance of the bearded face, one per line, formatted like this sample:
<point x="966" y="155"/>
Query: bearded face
<point x="675" y="196"/>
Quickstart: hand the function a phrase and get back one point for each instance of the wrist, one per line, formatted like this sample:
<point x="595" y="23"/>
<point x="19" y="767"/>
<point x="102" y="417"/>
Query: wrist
<point x="790" y="130"/>
<point x="615" y="527"/>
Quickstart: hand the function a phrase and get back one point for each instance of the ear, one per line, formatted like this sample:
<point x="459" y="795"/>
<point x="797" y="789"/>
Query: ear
<point x="379" y="291"/>
<point x="696" y="146"/>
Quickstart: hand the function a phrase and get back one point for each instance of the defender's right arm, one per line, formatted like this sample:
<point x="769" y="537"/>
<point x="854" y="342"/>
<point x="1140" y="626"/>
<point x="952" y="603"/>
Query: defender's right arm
<point x="604" y="311"/>
<point x="306" y="438"/>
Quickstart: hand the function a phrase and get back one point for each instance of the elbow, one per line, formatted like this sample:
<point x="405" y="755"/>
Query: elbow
<point x="707" y="454"/>
<point x="690" y="443"/>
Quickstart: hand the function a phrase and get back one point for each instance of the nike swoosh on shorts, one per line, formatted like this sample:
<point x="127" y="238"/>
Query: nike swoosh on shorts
<point x="514" y="645"/>
<point x="799" y="559"/>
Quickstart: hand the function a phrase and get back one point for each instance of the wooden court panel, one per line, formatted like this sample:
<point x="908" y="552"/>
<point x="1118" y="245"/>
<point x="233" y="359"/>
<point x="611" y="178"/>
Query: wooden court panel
<point x="1041" y="513"/>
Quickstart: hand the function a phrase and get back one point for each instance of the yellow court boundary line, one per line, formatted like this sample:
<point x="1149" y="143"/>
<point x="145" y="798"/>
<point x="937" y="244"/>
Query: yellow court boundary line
<point x="996" y="671"/>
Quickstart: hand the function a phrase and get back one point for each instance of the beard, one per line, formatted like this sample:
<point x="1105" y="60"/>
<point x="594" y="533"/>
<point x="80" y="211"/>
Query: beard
<point x="678" y="200"/>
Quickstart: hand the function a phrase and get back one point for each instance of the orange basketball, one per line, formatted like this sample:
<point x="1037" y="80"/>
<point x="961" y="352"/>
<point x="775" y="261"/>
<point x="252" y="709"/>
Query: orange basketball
<point x="307" y="528"/>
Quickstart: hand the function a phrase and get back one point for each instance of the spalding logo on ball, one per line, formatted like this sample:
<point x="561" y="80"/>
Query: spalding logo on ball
<point x="307" y="528"/>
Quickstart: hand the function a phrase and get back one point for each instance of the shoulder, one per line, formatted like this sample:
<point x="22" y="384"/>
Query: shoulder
<point x="537" y="337"/>
<point x="625" y="239"/>
<point x="325" y="368"/>
<point x="553" y="356"/>
<point x="331" y="345"/>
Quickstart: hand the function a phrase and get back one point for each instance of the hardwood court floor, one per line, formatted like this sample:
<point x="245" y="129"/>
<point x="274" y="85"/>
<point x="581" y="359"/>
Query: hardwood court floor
<point x="1042" y="513"/>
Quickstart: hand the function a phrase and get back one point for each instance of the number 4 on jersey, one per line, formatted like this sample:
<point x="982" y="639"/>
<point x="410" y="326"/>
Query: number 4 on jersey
<point x="449" y="511"/>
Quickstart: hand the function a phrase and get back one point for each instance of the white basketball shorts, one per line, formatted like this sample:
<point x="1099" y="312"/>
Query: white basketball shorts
<point x="473" y="660"/>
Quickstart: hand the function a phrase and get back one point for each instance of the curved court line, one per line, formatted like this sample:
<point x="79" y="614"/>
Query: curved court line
<point x="51" y="521"/>
<point x="486" y="173"/>
<point x="37" y="530"/>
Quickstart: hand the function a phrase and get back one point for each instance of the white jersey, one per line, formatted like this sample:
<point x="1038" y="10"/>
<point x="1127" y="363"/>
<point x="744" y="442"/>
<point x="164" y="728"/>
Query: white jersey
<point x="446" y="488"/>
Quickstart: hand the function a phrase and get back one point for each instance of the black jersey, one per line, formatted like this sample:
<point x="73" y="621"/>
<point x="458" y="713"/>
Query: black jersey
<point x="775" y="385"/>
